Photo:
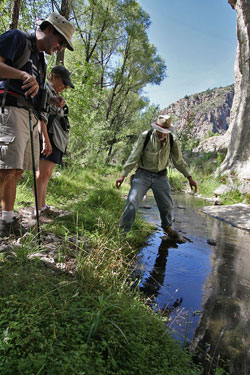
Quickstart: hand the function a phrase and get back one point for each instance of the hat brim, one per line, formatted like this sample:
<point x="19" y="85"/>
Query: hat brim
<point x="160" y="129"/>
<point x="67" y="82"/>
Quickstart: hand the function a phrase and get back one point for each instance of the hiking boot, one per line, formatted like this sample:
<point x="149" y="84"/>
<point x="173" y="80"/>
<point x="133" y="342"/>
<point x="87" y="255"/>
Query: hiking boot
<point x="14" y="227"/>
<point x="49" y="212"/>
<point x="175" y="236"/>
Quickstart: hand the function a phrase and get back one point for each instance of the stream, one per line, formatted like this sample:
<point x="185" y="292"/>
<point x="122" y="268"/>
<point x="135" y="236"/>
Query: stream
<point x="202" y="287"/>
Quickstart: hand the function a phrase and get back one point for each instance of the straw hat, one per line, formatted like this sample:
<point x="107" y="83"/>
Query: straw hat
<point x="164" y="120"/>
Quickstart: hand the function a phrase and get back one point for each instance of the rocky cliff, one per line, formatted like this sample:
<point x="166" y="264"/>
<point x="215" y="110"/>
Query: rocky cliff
<point x="203" y="114"/>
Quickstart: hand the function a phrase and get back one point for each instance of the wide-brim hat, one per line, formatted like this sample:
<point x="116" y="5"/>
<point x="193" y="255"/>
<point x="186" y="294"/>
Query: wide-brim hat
<point x="62" y="72"/>
<point x="63" y="26"/>
<point x="162" y="124"/>
<point x="163" y="120"/>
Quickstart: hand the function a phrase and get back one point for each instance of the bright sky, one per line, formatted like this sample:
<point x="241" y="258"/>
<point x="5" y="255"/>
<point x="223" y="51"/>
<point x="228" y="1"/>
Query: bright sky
<point x="197" y="39"/>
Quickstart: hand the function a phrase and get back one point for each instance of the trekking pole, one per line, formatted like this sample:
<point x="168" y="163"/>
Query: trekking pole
<point x="34" y="175"/>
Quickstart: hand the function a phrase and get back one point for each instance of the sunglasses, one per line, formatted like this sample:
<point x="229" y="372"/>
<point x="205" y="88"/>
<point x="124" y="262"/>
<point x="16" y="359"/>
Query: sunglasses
<point x="61" y="40"/>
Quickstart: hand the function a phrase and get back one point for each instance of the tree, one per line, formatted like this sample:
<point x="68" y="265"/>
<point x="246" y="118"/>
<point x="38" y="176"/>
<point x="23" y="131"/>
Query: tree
<point x="238" y="155"/>
<point x="15" y="9"/>
<point x="112" y="63"/>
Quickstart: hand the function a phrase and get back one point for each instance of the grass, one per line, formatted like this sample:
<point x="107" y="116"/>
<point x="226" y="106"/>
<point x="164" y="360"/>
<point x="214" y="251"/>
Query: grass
<point x="90" y="321"/>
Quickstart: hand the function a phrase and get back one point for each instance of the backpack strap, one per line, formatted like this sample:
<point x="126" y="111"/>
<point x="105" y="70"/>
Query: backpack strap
<point x="171" y="141"/>
<point x="146" y="142"/>
<point x="147" y="139"/>
<point x="21" y="61"/>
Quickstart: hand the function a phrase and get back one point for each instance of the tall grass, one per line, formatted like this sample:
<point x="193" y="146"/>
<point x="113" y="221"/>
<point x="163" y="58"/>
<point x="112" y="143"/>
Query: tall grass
<point x="89" y="321"/>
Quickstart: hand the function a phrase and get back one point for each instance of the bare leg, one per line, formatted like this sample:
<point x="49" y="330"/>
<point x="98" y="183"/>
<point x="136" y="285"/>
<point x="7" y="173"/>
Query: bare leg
<point x="8" y="183"/>
<point x="45" y="171"/>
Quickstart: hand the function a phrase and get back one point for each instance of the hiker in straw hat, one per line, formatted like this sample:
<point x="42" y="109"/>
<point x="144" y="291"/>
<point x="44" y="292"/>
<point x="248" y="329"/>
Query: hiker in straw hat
<point x="151" y="155"/>
<point x="22" y="63"/>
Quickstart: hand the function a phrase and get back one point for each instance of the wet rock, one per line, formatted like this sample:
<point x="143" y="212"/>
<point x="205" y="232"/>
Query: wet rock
<point x="244" y="187"/>
<point x="222" y="189"/>
<point x="237" y="215"/>
<point x="4" y="248"/>
<point x="217" y="202"/>
<point x="211" y="242"/>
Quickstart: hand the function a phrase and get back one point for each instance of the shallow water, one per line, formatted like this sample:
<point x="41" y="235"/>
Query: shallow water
<point x="202" y="286"/>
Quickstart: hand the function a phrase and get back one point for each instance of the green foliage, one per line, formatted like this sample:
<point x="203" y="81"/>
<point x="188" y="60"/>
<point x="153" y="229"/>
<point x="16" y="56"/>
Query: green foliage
<point x="176" y="179"/>
<point x="57" y="326"/>
<point x="235" y="197"/>
<point x="5" y="7"/>
<point x="207" y="185"/>
<point x="187" y="142"/>
<point x="220" y="157"/>
<point x="204" y="164"/>
<point x="113" y="61"/>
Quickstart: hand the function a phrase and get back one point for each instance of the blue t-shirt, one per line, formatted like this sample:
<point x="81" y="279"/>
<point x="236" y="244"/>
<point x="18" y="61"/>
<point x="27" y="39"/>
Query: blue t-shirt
<point x="12" y="45"/>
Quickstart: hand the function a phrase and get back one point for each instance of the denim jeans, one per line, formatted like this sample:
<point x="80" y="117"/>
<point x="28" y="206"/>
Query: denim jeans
<point x="142" y="182"/>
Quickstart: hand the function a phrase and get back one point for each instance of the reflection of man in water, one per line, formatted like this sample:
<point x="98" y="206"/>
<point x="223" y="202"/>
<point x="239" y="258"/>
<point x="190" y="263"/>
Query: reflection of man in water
<point x="155" y="280"/>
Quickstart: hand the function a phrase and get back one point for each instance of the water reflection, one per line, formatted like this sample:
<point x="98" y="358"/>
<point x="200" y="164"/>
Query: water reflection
<point x="224" y="328"/>
<point x="203" y="289"/>
<point x="155" y="280"/>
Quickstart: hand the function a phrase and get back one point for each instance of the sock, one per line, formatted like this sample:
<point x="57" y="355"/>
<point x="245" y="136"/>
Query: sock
<point x="7" y="216"/>
<point x="39" y="212"/>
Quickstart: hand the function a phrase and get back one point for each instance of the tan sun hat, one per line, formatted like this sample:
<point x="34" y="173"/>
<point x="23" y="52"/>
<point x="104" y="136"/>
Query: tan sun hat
<point x="63" y="26"/>
<point x="164" y="120"/>
<point x="162" y="124"/>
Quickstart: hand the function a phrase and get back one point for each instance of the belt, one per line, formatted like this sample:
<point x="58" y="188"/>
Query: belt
<point x="14" y="100"/>
<point x="160" y="173"/>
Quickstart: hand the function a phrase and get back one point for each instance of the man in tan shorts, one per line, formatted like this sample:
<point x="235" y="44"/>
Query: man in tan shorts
<point x="54" y="34"/>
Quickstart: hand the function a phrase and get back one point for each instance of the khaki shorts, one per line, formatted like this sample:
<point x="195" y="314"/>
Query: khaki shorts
<point x="15" y="145"/>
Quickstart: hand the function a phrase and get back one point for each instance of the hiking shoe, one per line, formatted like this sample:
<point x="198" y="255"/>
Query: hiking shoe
<point x="14" y="227"/>
<point x="175" y="236"/>
<point x="49" y="212"/>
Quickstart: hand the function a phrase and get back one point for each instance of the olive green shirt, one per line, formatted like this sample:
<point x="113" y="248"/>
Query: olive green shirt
<point x="155" y="156"/>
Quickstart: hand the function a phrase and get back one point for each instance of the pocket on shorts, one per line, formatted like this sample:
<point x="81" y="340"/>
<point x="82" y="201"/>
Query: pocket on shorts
<point x="4" y="117"/>
<point x="4" y="144"/>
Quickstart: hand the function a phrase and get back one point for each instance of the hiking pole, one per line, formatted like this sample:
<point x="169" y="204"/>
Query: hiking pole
<point x="34" y="175"/>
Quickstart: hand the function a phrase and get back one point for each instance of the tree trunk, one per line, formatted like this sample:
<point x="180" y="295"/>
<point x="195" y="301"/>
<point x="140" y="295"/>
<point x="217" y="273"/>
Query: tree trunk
<point x="15" y="9"/>
<point x="237" y="160"/>
<point x="65" y="11"/>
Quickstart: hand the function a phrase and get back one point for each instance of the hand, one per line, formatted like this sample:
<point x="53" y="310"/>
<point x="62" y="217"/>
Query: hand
<point x="47" y="148"/>
<point x="30" y="83"/>
<point x="193" y="184"/>
<point x="57" y="101"/>
<point x="119" y="181"/>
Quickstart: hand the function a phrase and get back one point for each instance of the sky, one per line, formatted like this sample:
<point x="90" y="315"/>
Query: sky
<point x="197" y="40"/>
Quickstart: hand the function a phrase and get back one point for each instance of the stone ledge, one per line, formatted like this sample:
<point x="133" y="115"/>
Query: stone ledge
<point x="237" y="215"/>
